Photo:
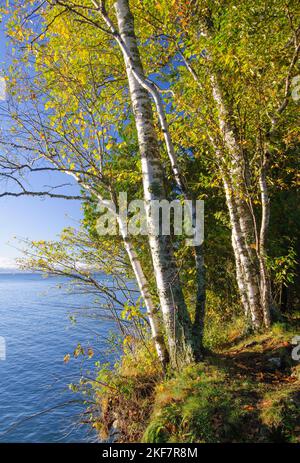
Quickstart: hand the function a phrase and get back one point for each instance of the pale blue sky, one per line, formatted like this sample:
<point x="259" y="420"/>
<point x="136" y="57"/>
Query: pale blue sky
<point x="29" y="217"/>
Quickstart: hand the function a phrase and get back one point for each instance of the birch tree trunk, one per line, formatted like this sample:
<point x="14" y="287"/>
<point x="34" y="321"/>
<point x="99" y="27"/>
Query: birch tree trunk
<point x="152" y="311"/>
<point x="248" y="290"/>
<point x="175" y="314"/>
<point x="265" y="219"/>
<point x="242" y="219"/>
<point x="250" y="278"/>
<point x="252" y="275"/>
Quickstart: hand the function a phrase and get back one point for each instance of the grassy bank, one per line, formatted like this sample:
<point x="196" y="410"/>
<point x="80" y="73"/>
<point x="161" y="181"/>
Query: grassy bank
<point x="244" y="391"/>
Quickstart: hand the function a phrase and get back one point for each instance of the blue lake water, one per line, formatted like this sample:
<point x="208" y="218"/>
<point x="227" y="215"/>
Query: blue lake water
<point x="35" y="323"/>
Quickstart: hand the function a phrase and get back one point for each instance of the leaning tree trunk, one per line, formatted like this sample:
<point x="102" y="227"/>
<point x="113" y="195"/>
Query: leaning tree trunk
<point x="177" y="322"/>
<point x="154" y="322"/>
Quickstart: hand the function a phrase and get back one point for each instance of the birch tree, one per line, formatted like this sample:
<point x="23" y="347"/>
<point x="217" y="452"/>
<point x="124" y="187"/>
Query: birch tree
<point x="203" y="84"/>
<point x="227" y="61"/>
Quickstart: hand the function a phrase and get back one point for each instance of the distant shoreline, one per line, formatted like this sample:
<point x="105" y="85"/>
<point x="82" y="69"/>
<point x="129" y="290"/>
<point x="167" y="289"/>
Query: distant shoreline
<point x="12" y="271"/>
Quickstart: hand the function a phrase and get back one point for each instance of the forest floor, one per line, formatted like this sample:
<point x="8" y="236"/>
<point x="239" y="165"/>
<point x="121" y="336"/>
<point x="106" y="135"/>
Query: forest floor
<point x="245" y="391"/>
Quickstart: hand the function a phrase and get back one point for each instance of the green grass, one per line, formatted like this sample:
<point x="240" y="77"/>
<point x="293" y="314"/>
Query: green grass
<point x="232" y="397"/>
<point x="235" y="395"/>
<point x="280" y="413"/>
<point x="199" y="405"/>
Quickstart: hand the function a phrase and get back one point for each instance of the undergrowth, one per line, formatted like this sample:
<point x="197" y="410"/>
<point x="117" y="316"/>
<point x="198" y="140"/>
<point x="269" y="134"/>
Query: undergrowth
<point x="125" y="394"/>
<point x="245" y="391"/>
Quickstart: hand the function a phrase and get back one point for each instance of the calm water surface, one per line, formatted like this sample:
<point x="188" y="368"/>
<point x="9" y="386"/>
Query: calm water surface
<point x="35" y="322"/>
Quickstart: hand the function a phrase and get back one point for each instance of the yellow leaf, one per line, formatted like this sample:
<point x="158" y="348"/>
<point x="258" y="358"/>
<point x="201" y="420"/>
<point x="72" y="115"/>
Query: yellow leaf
<point x="90" y="352"/>
<point x="67" y="358"/>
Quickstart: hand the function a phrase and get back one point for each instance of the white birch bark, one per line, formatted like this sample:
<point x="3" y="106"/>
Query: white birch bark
<point x="251" y="277"/>
<point x="240" y="277"/>
<point x="147" y="84"/>
<point x="244" y="229"/>
<point x="152" y="311"/>
<point x="176" y="318"/>
<point x="265" y="219"/>
<point x="243" y="266"/>
<point x="245" y="274"/>
<point x="136" y="71"/>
